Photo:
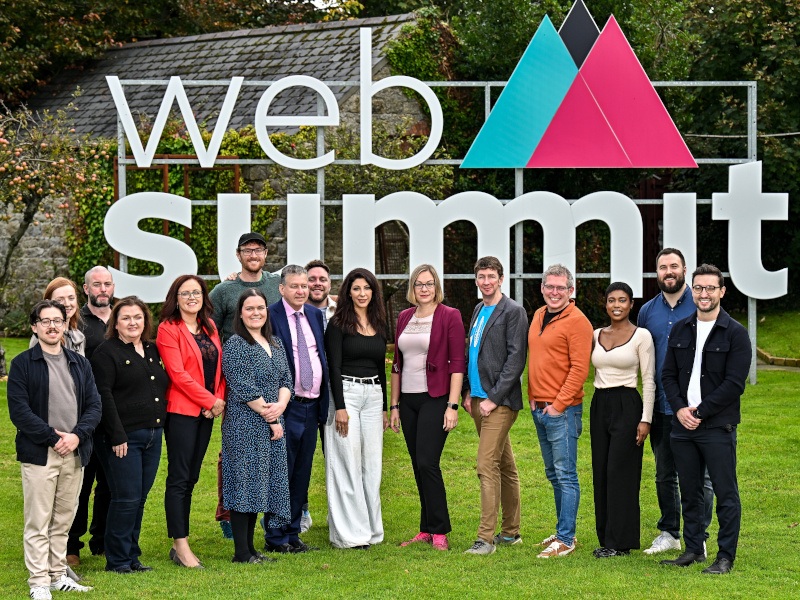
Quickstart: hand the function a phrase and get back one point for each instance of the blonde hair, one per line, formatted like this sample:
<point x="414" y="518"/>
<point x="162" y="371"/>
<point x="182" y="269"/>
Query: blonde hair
<point x="60" y="282"/>
<point x="438" y="296"/>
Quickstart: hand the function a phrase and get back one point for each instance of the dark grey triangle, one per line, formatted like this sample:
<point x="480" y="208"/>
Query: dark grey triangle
<point x="579" y="32"/>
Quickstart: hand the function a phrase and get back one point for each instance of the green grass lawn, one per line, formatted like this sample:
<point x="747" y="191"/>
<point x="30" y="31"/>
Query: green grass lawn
<point x="779" y="333"/>
<point x="768" y="564"/>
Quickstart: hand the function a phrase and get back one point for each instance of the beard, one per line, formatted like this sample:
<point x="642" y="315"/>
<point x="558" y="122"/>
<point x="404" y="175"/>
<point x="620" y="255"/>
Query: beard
<point x="671" y="289"/>
<point x="99" y="302"/>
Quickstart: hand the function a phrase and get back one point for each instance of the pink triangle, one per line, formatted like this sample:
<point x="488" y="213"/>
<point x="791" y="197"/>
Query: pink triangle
<point x="631" y="105"/>
<point x="579" y="135"/>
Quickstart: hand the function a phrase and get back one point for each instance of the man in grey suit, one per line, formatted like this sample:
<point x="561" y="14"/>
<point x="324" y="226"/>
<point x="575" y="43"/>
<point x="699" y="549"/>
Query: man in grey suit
<point x="492" y="394"/>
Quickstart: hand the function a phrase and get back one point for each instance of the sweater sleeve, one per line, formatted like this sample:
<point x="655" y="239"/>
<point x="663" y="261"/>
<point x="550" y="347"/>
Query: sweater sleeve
<point x="647" y="364"/>
<point x="580" y="351"/>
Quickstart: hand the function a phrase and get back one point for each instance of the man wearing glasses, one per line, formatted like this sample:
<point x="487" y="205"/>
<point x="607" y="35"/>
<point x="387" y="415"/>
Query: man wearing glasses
<point x="252" y="254"/>
<point x="708" y="357"/>
<point x="54" y="404"/>
<point x="658" y="315"/>
<point x="559" y="350"/>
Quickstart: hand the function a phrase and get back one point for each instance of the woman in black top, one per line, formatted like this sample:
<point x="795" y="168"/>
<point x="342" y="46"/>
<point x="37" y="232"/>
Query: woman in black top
<point x="133" y="386"/>
<point x="355" y="343"/>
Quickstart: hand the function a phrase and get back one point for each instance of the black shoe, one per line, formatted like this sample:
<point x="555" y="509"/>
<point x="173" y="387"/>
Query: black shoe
<point x="279" y="548"/>
<point x="265" y="558"/>
<point x="721" y="566"/>
<point x="362" y="547"/>
<point x="255" y="560"/>
<point x="609" y="552"/>
<point x="120" y="570"/>
<point x="685" y="559"/>
<point x="299" y="546"/>
<point x="173" y="555"/>
<point x="140" y="568"/>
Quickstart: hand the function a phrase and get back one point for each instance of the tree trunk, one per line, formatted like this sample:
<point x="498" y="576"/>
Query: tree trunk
<point x="32" y="204"/>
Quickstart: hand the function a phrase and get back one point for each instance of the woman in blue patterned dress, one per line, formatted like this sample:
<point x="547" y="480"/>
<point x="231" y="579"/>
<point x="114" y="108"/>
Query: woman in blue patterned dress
<point x="254" y="473"/>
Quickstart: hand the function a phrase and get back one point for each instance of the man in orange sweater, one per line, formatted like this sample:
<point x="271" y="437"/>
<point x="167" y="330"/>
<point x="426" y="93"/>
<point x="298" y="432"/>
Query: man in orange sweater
<point x="559" y="350"/>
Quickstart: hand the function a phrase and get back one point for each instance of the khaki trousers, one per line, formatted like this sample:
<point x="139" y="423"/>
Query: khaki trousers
<point x="50" y="495"/>
<point x="497" y="471"/>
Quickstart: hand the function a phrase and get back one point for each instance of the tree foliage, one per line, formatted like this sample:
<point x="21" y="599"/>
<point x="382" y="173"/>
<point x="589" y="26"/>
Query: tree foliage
<point x="41" y="37"/>
<point x="43" y="167"/>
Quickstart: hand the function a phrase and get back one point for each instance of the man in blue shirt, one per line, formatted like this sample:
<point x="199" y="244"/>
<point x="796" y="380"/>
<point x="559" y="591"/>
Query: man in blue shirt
<point x="492" y="394"/>
<point x="672" y="304"/>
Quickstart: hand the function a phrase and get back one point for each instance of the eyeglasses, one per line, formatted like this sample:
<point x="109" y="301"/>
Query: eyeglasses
<point x="54" y="322"/>
<point x="253" y="251"/>
<point x="698" y="289"/>
<point x="558" y="288"/>
<point x="428" y="285"/>
<point x="192" y="294"/>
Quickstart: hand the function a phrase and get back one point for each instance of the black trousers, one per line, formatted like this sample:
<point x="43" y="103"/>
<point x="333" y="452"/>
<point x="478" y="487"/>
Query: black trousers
<point x="422" y="419"/>
<point x="102" y="500"/>
<point x="713" y="448"/>
<point x="616" y="466"/>
<point x="187" y="441"/>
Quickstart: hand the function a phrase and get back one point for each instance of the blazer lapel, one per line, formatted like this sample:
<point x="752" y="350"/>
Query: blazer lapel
<point x="281" y="324"/>
<point x="192" y="343"/>
<point x="501" y="306"/>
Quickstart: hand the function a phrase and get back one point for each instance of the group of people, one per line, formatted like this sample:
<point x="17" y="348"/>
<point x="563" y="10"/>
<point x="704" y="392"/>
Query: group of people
<point x="282" y="361"/>
<point x="692" y="359"/>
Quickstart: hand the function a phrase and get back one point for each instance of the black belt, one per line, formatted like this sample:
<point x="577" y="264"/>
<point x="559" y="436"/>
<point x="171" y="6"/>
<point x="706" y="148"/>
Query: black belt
<point x="302" y="400"/>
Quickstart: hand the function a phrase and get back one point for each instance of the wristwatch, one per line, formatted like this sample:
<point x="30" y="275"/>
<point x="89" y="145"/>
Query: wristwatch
<point x="453" y="405"/>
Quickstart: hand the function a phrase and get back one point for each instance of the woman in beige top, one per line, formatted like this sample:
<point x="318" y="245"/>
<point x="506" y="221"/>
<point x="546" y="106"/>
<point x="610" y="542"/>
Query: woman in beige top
<point x="619" y="422"/>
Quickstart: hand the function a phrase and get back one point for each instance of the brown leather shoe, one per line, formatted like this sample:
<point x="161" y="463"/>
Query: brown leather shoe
<point x="73" y="560"/>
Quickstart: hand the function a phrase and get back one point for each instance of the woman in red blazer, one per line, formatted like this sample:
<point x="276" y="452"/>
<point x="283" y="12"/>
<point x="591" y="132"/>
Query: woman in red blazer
<point x="427" y="373"/>
<point x="191" y="351"/>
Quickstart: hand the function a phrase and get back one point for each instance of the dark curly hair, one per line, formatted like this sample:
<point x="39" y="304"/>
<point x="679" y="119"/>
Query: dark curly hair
<point x="345" y="317"/>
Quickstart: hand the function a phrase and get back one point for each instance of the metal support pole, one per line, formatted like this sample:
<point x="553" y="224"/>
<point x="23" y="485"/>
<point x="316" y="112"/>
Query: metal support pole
<point x="321" y="179"/>
<point x="752" y="155"/>
<point x="122" y="186"/>
<point x="519" y="266"/>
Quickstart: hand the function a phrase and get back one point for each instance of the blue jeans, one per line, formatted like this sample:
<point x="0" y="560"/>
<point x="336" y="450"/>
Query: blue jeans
<point x="129" y="479"/>
<point x="558" y="439"/>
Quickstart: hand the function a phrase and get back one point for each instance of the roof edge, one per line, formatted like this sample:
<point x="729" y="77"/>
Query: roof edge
<point x="274" y="30"/>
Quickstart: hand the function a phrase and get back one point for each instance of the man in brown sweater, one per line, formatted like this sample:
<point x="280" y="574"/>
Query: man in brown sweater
<point x="559" y="350"/>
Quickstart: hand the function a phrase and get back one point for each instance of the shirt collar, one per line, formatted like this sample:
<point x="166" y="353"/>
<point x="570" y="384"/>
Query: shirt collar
<point x="290" y="311"/>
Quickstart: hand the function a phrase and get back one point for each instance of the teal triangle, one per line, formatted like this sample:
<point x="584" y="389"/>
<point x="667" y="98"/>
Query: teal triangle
<point x="526" y="106"/>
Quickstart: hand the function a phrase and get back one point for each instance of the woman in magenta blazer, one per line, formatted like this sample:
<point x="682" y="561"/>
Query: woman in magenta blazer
<point x="191" y="351"/>
<point x="427" y="373"/>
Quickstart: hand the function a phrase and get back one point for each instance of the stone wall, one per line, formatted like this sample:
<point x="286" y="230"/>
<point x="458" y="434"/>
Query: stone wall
<point x="40" y="257"/>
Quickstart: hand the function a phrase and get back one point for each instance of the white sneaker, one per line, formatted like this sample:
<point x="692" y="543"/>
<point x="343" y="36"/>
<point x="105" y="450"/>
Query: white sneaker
<point x="305" y="521"/>
<point x="40" y="592"/>
<point x="67" y="584"/>
<point x="481" y="547"/>
<point x="549" y="540"/>
<point x="663" y="543"/>
<point x="556" y="549"/>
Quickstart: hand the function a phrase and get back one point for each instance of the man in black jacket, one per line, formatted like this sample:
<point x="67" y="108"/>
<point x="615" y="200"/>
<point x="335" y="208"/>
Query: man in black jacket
<point x="707" y="361"/>
<point x="54" y="404"/>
